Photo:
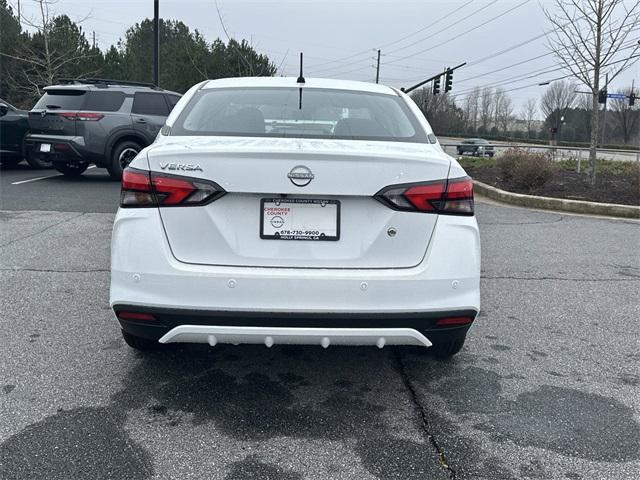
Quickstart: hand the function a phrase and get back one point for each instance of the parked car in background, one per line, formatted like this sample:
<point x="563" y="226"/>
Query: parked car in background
<point x="476" y="147"/>
<point x="95" y="121"/>
<point x="14" y="125"/>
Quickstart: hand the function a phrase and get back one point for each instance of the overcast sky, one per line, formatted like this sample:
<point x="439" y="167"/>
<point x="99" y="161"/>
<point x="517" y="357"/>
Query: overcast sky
<point x="340" y="38"/>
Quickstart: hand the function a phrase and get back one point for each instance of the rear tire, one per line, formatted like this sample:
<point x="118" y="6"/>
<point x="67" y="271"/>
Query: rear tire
<point x="71" y="169"/>
<point x="140" y="343"/>
<point x="447" y="347"/>
<point x="37" y="162"/>
<point x="121" y="157"/>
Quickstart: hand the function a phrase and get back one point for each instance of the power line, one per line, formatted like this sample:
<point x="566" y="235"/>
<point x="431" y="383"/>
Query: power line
<point x="445" y="28"/>
<point x="467" y="31"/>
<point x="448" y="15"/>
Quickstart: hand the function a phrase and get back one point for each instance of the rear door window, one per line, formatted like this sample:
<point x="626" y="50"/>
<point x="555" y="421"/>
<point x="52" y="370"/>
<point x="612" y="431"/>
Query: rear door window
<point x="150" y="104"/>
<point x="104" y="101"/>
<point x="59" y="99"/>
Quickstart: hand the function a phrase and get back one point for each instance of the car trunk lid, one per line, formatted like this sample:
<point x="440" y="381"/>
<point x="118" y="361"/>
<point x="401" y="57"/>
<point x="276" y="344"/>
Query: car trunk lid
<point x="54" y="113"/>
<point x="257" y="172"/>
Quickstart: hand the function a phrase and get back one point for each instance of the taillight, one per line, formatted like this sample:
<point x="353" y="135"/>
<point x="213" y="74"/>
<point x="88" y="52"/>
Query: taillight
<point x="141" y="188"/>
<point x="448" y="197"/>
<point x="454" y="321"/>
<point x="81" y="116"/>
<point x="136" y="316"/>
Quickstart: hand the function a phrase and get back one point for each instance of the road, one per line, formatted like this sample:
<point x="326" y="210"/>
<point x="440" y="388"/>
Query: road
<point x="500" y="147"/>
<point x="547" y="386"/>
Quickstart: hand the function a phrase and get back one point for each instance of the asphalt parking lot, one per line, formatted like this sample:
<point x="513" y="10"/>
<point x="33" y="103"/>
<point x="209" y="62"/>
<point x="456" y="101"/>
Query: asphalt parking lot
<point x="547" y="386"/>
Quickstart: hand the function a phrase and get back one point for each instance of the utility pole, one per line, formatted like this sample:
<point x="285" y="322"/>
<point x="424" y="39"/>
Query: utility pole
<point x="94" y="39"/>
<point x="378" y="68"/>
<point x="604" y="115"/>
<point x="156" y="42"/>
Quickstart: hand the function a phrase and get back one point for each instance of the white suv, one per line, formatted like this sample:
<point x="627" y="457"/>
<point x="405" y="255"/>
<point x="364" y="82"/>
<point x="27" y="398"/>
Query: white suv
<point x="277" y="212"/>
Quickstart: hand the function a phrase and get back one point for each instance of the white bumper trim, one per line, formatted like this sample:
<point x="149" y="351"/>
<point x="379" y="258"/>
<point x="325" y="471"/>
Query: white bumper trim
<point x="297" y="336"/>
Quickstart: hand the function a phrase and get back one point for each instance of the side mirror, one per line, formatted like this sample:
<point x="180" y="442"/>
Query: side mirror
<point x="3" y="109"/>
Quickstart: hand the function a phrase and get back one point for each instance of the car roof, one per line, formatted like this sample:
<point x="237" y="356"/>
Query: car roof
<point x="111" y="86"/>
<point x="245" y="82"/>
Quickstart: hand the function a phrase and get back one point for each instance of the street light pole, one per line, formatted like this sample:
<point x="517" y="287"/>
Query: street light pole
<point x="604" y="115"/>
<point x="156" y="42"/>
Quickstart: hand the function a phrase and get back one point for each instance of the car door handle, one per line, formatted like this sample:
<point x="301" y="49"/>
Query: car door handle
<point x="140" y="120"/>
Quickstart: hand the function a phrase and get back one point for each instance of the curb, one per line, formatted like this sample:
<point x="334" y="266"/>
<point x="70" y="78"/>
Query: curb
<point x="558" y="204"/>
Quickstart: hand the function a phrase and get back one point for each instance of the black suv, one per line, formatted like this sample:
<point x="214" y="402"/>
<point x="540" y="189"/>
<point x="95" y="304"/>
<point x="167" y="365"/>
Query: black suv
<point x="105" y="122"/>
<point x="476" y="147"/>
<point x="14" y="125"/>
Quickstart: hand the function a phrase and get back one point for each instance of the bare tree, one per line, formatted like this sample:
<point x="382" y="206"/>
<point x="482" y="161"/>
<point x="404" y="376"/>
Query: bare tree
<point x="57" y="46"/>
<point x="498" y="99"/>
<point x="529" y="113"/>
<point x="626" y="117"/>
<point x="486" y="107"/>
<point x="591" y="38"/>
<point x="556" y="100"/>
<point x="471" y="108"/>
<point x="505" y="112"/>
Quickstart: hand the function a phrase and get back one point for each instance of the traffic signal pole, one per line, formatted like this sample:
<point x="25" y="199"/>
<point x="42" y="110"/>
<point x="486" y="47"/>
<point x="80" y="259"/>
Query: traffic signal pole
<point x="446" y="72"/>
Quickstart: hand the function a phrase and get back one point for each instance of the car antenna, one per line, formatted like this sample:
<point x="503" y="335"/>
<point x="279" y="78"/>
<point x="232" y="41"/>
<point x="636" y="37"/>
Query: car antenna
<point x="300" y="80"/>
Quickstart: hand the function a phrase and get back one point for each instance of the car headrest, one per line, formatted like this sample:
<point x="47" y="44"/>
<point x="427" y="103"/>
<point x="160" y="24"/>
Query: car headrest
<point x="359" y="127"/>
<point x="245" y="120"/>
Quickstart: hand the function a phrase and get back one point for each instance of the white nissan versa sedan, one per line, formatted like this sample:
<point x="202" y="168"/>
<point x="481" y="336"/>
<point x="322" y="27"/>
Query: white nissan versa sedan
<point x="280" y="212"/>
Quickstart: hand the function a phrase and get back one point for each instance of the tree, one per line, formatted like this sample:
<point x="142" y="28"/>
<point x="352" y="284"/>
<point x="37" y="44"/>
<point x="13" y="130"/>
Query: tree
<point x="505" y="112"/>
<point x="529" y="113"/>
<point x="486" y="108"/>
<point x="625" y="117"/>
<point x="471" y="110"/>
<point x="590" y="38"/>
<point x="57" y="48"/>
<point x="559" y="97"/>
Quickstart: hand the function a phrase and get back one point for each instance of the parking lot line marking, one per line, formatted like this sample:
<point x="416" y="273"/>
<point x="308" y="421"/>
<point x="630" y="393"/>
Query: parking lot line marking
<point x="35" y="179"/>
<point x="42" y="178"/>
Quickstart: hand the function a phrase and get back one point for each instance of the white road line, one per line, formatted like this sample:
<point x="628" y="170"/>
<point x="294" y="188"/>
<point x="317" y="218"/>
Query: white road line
<point x="35" y="179"/>
<point x="42" y="178"/>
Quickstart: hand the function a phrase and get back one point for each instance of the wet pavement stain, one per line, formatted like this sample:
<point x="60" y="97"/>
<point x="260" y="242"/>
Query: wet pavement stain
<point x="8" y="388"/>
<point x="75" y="444"/>
<point x="251" y="468"/>
<point x="472" y="389"/>
<point x="572" y="423"/>
<point x="292" y="379"/>
<point x="257" y="407"/>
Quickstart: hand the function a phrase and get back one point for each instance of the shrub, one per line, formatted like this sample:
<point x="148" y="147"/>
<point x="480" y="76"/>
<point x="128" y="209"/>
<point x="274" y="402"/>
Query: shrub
<point x="525" y="169"/>
<point x="634" y="176"/>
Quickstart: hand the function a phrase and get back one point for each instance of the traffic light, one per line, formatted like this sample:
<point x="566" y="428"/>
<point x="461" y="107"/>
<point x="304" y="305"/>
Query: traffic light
<point x="632" y="99"/>
<point x="436" y="86"/>
<point x="448" y="81"/>
<point x="602" y="96"/>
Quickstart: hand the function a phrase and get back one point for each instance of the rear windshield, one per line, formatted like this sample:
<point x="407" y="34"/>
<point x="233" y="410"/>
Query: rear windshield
<point x="61" y="99"/>
<point x="286" y="112"/>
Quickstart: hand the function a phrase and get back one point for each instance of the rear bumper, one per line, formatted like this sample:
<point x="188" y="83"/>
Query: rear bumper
<point x="145" y="277"/>
<point x="145" y="273"/>
<point x="272" y="328"/>
<point x="67" y="149"/>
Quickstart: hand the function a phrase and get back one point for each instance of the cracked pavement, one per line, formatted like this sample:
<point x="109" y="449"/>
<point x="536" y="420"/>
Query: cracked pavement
<point x="547" y="386"/>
